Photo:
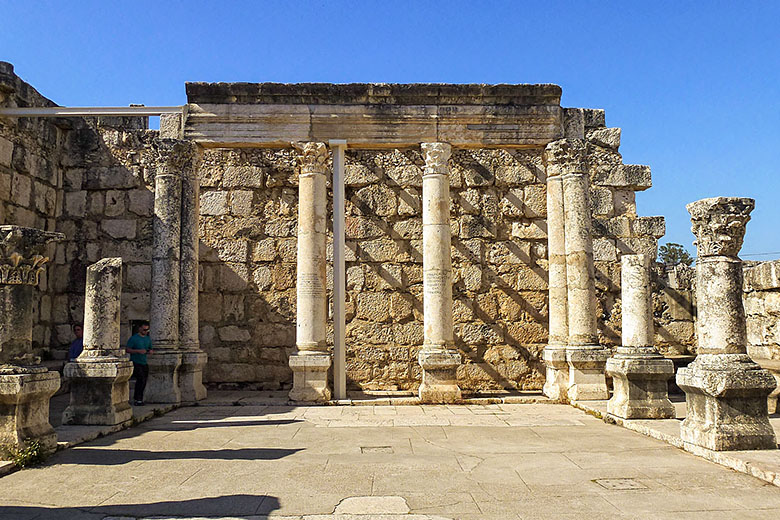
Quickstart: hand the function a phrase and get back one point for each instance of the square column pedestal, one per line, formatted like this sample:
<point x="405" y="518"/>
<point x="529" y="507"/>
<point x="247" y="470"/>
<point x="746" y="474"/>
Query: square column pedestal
<point x="163" y="383"/>
<point x="191" y="386"/>
<point x="24" y="408"/>
<point x="99" y="393"/>
<point x="587" y="381"/>
<point x="556" y="383"/>
<point x="726" y="396"/>
<point x="310" y="377"/>
<point x="640" y="387"/>
<point x="439" y="380"/>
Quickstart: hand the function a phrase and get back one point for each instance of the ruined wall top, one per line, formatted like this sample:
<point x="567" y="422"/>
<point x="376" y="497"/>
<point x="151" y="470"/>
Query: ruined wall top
<point x="373" y="93"/>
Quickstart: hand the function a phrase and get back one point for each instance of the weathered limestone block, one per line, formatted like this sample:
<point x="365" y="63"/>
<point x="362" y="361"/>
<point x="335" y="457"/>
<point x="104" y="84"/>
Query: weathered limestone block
<point x="99" y="377"/>
<point x="726" y="392"/>
<point x="438" y="357"/>
<point x="311" y="360"/>
<point x="25" y="387"/>
<point x="639" y="373"/>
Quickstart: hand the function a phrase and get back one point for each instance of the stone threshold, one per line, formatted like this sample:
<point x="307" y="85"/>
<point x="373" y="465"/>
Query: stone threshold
<point x="366" y="398"/>
<point x="762" y="464"/>
<point x="72" y="435"/>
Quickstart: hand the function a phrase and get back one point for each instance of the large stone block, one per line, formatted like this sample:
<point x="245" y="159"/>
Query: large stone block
<point x="24" y="408"/>
<point x="99" y="392"/>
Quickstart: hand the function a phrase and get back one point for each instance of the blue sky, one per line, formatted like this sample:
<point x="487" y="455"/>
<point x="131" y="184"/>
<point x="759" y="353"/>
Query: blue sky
<point x="693" y="85"/>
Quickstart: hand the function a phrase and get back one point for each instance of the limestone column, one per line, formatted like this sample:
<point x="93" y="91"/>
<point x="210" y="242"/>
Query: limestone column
<point x="639" y="372"/>
<point x="725" y="391"/>
<point x="557" y="381"/>
<point x="311" y="359"/>
<point x="163" y="383"/>
<point x="25" y="386"/>
<point x="99" y="378"/>
<point x="586" y="358"/>
<point x="193" y="359"/>
<point x="438" y="357"/>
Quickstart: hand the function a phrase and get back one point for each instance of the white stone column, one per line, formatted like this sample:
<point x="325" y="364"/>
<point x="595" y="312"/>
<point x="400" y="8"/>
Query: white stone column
<point x="557" y="381"/>
<point x="163" y="383"/>
<point x="25" y="385"/>
<point x="639" y="372"/>
<point x="725" y="391"/>
<point x="438" y="357"/>
<point x="99" y="378"/>
<point x="311" y="360"/>
<point x="586" y="358"/>
<point x="193" y="359"/>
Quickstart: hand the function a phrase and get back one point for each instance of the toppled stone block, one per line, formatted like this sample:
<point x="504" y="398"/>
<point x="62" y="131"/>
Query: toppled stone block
<point x="634" y="177"/>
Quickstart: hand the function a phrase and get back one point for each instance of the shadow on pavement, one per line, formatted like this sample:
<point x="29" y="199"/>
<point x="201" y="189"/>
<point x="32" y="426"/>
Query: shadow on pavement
<point x="234" y="506"/>
<point x="112" y="457"/>
<point x="185" y="425"/>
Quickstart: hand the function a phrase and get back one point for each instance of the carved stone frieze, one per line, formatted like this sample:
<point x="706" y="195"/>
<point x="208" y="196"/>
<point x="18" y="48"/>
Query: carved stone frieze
<point x="23" y="254"/>
<point x="436" y="157"/>
<point x="719" y="224"/>
<point x="565" y="156"/>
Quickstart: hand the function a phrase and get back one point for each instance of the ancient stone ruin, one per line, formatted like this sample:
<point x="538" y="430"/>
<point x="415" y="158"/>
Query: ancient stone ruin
<point x="492" y="245"/>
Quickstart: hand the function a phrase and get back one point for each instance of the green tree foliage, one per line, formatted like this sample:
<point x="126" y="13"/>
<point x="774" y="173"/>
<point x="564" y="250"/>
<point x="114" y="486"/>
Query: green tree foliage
<point x="673" y="254"/>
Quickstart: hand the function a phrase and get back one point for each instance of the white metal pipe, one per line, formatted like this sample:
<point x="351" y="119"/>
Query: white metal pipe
<point x="88" y="111"/>
<point x="339" y="273"/>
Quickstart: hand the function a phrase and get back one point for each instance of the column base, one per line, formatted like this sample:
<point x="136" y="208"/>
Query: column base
<point x="163" y="383"/>
<point x="726" y="400"/>
<point x="439" y="378"/>
<point x="587" y="381"/>
<point x="24" y="408"/>
<point x="310" y="377"/>
<point x="191" y="386"/>
<point x="640" y="387"/>
<point x="99" y="392"/>
<point x="557" y="369"/>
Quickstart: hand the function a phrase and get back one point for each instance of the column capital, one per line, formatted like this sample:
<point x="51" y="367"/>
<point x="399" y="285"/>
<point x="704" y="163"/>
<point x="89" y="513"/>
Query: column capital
<point x="178" y="158"/>
<point x="565" y="156"/>
<point x="313" y="157"/>
<point x="23" y="254"/>
<point x="719" y="224"/>
<point x="436" y="157"/>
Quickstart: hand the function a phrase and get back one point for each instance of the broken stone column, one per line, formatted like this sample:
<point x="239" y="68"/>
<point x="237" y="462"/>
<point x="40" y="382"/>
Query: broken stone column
<point x="639" y="372"/>
<point x="25" y="386"/>
<point x="99" y="378"/>
<point x="163" y="383"/>
<point x="557" y="381"/>
<point x="193" y="359"/>
<point x="438" y="357"/>
<point x="311" y="360"/>
<point x="725" y="391"/>
<point x="586" y="358"/>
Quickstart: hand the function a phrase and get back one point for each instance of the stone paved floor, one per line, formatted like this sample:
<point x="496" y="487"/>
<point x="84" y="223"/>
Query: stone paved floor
<point x="458" y="462"/>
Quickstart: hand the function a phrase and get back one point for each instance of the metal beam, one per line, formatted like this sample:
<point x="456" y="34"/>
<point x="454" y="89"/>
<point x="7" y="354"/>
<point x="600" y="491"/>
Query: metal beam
<point x="88" y="111"/>
<point x="339" y="273"/>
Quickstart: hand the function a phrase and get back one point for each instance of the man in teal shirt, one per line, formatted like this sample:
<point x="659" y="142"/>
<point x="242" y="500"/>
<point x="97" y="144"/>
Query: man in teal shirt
<point x="138" y="346"/>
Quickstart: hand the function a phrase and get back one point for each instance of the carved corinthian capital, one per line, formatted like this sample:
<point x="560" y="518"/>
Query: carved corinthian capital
<point x="719" y="224"/>
<point x="565" y="156"/>
<point x="313" y="157"/>
<point x="436" y="157"/>
<point x="23" y="254"/>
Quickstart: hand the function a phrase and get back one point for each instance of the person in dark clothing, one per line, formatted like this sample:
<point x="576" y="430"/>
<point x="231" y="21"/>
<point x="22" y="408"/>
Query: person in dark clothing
<point x="77" y="345"/>
<point x="139" y="346"/>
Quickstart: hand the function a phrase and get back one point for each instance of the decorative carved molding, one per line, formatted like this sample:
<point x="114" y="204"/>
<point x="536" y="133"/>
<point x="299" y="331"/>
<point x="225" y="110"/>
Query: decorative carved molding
<point x="23" y="254"/>
<point x="313" y="157"/>
<point x="719" y="224"/>
<point x="565" y="156"/>
<point x="436" y="157"/>
<point x="17" y="270"/>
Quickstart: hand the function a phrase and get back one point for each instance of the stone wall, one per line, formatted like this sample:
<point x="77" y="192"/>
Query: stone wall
<point x="674" y="309"/>
<point x="32" y="152"/>
<point x="762" y="308"/>
<point x="499" y="249"/>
